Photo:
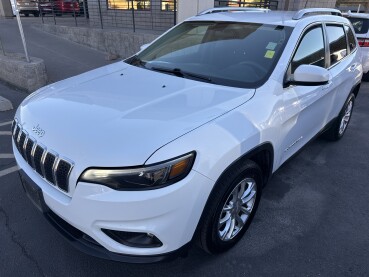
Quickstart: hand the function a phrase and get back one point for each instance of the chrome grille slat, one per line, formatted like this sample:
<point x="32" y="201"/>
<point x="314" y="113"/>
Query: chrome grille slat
<point x="28" y="150"/>
<point x="54" y="169"/>
<point x="49" y="162"/>
<point x="14" y="123"/>
<point x="39" y="151"/>
<point x="16" y="135"/>
<point x="62" y="173"/>
<point x="43" y="162"/>
<point x="21" y="141"/>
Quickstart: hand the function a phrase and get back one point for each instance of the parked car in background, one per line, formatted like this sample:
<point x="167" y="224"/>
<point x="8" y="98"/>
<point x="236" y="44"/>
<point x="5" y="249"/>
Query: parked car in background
<point x="28" y="7"/>
<point x="60" y="7"/>
<point x="135" y="160"/>
<point x="70" y="7"/>
<point x="46" y="7"/>
<point x="360" y="22"/>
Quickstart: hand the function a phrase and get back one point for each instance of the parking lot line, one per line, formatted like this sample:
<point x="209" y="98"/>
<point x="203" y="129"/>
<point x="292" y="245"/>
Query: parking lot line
<point x="5" y="133"/>
<point x="6" y="123"/>
<point x="6" y="156"/>
<point x="8" y="170"/>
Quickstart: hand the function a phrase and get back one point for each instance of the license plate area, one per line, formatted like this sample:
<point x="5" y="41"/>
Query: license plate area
<point x="33" y="192"/>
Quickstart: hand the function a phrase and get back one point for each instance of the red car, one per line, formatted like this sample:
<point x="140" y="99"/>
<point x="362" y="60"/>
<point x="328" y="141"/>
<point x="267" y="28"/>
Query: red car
<point x="60" y="7"/>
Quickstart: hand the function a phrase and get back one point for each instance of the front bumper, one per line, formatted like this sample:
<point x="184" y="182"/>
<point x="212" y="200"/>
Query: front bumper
<point x="171" y="214"/>
<point x="28" y="9"/>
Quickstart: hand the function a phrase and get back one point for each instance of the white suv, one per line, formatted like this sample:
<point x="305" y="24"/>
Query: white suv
<point x="134" y="160"/>
<point x="360" y="22"/>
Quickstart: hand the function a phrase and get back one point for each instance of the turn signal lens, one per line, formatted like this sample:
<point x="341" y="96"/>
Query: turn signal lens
<point x="178" y="168"/>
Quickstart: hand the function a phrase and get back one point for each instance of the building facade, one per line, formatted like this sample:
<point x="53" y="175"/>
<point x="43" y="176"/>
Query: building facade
<point x="163" y="14"/>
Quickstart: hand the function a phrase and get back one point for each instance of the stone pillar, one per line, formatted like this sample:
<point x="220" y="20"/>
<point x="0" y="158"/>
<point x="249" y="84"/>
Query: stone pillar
<point x="188" y="8"/>
<point x="6" y="9"/>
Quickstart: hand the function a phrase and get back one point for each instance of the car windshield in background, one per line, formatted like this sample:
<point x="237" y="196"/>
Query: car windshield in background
<point x="361" y="25"/>
<point x="225" y="53"/>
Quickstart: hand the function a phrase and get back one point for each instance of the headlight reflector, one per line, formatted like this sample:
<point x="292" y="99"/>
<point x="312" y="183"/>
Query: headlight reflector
<point x="141" y="178"/>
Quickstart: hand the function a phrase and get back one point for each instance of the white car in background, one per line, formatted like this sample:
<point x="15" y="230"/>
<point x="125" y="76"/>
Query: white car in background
<point x="135" y="160"/>
<point x="360" y="22"/>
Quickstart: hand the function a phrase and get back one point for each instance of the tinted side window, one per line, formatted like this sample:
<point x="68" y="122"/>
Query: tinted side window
<point x="337" y="43"/>
<point x="311" y="49"/>
<point x="360" y="25"/>
<point x="351" y="38"/>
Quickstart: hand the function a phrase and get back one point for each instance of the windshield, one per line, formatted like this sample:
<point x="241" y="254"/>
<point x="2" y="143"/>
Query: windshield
<point x="360" y="25"/>
<point x="224" y="53"/>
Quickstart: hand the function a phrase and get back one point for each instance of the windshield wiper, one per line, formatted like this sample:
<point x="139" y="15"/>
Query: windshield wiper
<point x="135" y="60"/>
<point x="180" y="73"/>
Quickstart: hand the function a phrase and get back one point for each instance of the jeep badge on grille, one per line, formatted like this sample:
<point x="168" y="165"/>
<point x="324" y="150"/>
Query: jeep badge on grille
<point x="38" y="131"/>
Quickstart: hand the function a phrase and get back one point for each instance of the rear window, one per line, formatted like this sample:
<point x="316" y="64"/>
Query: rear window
<point x="361" y="25"/>
<point x="351" y="38"/>
<point x="337" y="43"/>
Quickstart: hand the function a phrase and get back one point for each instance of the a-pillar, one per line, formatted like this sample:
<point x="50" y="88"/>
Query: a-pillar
<point x="188" y="8"/>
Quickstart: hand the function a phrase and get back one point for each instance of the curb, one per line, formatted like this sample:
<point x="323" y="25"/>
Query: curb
<point x="5" y="104"/>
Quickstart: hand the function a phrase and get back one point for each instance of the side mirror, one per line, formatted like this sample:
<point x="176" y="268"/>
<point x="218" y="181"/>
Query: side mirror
<point x="143" y="47"/>
<point x="310" y="75"/>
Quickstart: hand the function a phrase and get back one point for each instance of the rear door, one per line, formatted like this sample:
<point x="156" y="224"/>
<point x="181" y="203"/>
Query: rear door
<point x="344" y="67"/>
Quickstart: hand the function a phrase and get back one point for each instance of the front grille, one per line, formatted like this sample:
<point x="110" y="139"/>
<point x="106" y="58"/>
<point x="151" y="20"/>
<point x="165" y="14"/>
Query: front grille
<point x="20" y="145"/>
<point x="37" y="157"/>
<point x="45" y="162"/>
<point x="49" y="167"/>
<point x="28" y="150"/>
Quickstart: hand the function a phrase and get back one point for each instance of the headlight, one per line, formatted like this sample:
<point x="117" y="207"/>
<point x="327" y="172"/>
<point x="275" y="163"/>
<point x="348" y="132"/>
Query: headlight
<point x="143" y="178"/>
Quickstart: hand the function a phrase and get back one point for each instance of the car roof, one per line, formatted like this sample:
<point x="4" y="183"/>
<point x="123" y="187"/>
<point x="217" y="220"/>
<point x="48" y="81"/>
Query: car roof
<point x="284" y="18"/>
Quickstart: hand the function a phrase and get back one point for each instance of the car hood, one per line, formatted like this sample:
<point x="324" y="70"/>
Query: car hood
<point x="118" y="115"/>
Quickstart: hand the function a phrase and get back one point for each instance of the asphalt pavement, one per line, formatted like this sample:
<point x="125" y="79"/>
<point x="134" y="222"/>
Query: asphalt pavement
<point x="312" y="219"/>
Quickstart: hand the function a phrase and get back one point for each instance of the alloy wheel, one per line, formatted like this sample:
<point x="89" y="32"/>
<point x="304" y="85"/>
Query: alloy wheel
<point x="346" y="118"/>
<point x="237" y="209"/>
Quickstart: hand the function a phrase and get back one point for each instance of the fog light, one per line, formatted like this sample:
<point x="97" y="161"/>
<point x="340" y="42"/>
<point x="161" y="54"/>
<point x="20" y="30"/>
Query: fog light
<point x="133" y="239"/>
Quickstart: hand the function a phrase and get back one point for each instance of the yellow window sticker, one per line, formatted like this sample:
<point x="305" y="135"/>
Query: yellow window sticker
<point x="269" y="54"/>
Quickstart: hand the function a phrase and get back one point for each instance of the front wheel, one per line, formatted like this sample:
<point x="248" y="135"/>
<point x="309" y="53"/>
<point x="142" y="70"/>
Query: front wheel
<point x="231" y="208"/>
<point x="366" y="77"/>
<point x="339" y="127"/>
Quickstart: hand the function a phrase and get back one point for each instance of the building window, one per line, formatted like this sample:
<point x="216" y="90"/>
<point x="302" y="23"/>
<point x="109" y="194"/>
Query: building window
<point x="168" y="5"/>
<point x="128" y="4"/>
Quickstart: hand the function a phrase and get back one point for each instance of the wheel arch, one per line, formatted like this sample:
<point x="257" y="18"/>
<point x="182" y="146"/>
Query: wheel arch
<point x="355" y="89"/>
<point x="263" y="155"/>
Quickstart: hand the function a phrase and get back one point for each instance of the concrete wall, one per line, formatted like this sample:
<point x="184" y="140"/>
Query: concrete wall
<point x="14" y="69"/>
<point x="116" y="42"/>
<point x="5" y="8"/>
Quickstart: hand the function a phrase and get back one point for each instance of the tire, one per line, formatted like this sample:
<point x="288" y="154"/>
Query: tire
<point x="36" y="14"/>
<point x="26" y="14"/>
<point x="213" y="236"/>
<point x="366" y="77"/>
<point x="339" y="127"/>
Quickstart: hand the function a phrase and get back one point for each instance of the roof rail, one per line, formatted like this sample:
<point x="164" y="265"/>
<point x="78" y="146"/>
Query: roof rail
<point x="303" y="12"/>
<point x="233" y="9"/>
